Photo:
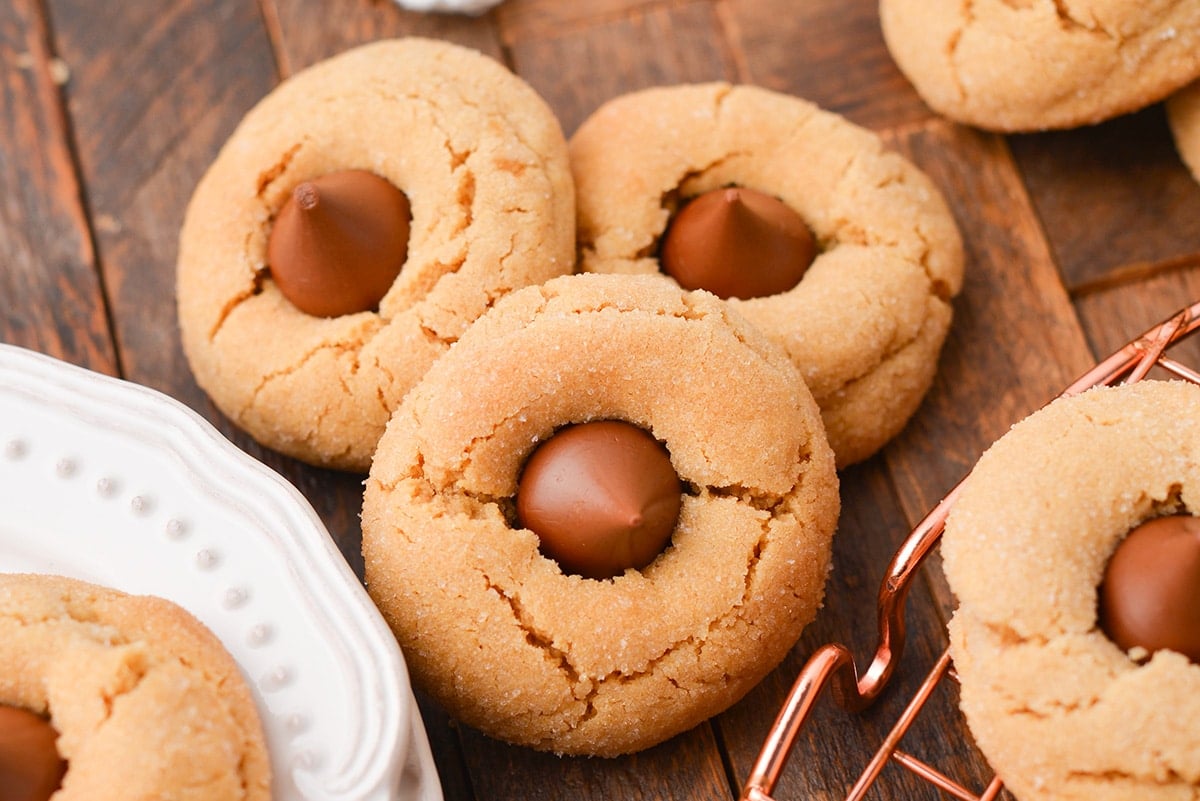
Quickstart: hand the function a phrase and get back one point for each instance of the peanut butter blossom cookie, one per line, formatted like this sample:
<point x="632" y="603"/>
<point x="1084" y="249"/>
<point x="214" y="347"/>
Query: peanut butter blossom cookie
<point x="1037" y="64"/>
<point x="601" y="517"/>
<point x="111" y="697"/>
<point x="360" y="217"/>
<point x="1074" y="551"/>
<point x="1183" y="114"/>
<point x="840" y="252"/>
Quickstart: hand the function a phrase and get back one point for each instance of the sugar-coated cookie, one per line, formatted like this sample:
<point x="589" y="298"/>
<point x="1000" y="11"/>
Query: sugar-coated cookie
<point x="1038" y="64"/>
<point x="1183" y="114"/>
<point x="527" y="651"/>
<point x="146" y="702"/>
<point x="482" y="162"/>
<point x="866" y="322"/>
<point x="1059" y="709"/>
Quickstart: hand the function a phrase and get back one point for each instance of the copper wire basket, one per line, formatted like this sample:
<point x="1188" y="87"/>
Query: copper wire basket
<point x="833" y="664"/>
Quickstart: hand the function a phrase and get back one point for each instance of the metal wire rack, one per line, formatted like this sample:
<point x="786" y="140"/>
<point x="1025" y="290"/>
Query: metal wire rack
<point x="833" y="665"/>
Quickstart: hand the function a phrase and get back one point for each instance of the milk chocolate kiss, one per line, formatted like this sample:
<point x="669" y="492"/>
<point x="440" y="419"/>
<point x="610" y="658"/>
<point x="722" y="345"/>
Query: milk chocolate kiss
<point x="1150" y="596"/>
<point x="30" y="767"/>
<point x="737" y="243"/>
<point x="601" y="496"/>
<point x="339" y="242"/>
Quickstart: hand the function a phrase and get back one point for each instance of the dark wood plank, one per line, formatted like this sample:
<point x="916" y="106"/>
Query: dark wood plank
<point x="831" y="52"/>
<point x="50" y="295"/>
<point x="545" y="19"/>
<point x="1013" y="345"/>
<point x="685" y="768"/>
<point x="1114" y="316"/>
<point x="306" y="31"/>
<point x="577" y="70"/>
<point x="1112" y="197"/>
<point x="155" y="89"/>
<point x="1014" y="342"/>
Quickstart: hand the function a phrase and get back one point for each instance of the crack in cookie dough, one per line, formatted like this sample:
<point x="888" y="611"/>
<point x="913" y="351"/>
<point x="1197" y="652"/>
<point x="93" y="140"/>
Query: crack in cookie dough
<point x="268" y="176"/>
<point x="597" y="685"/>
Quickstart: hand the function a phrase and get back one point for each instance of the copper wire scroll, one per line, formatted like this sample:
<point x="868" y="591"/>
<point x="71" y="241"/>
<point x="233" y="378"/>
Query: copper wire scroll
<point x="833" y="664"/>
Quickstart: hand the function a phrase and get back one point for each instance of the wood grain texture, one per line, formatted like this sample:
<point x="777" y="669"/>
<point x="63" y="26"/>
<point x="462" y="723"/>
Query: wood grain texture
<point x="51" y="299"/>
<point x="836" y="747"/>
<point x="828" y="51"/>
<point x="685" y="768"/>
<point x="1114" y="316"/>
<point x="1014" y="343"/>
<point x="155" y="90"/>
<point x="306" y="31"/>
<point x="1111" y="197"/>
<point x="578" y="70"/>
<point x="545" y="19"/>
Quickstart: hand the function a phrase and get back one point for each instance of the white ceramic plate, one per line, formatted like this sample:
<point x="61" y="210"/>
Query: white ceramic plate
<point x="117" y="484"/>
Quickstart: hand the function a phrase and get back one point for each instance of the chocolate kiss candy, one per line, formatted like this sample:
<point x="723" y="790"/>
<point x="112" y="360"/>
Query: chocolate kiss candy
<point x="737" y="243"/>
<point x="1150" y="596"/>
<point x="339" y="242"/>
<point x="30" y="767"/>
<point x="601" y="496"/>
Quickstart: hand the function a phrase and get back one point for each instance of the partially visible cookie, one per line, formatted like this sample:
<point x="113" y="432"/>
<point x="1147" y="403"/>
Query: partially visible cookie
<point x="1029" y="65"/>
<point x="146" y="701"/>
<point x="1183" y="114"/>
<point x="866" y="322"/>
<point x="483" y="164"/>
<point x="528" y="651"/>
<point x="1059" y="709"/>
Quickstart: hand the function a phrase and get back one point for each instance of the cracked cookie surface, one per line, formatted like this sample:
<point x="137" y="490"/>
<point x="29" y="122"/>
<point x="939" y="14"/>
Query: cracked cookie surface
<point x="495" y="631"/>
<point x="866" y="323"/>
<point x="1058" y="709"/>
<point x="483" y="162"/>
<point x="1027" y="65"/>
<point x="147" y="703"/>
<point x="1183" y="114"/>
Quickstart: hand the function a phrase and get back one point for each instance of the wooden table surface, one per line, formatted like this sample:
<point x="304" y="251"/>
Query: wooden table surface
<point x="110" y="112"/>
